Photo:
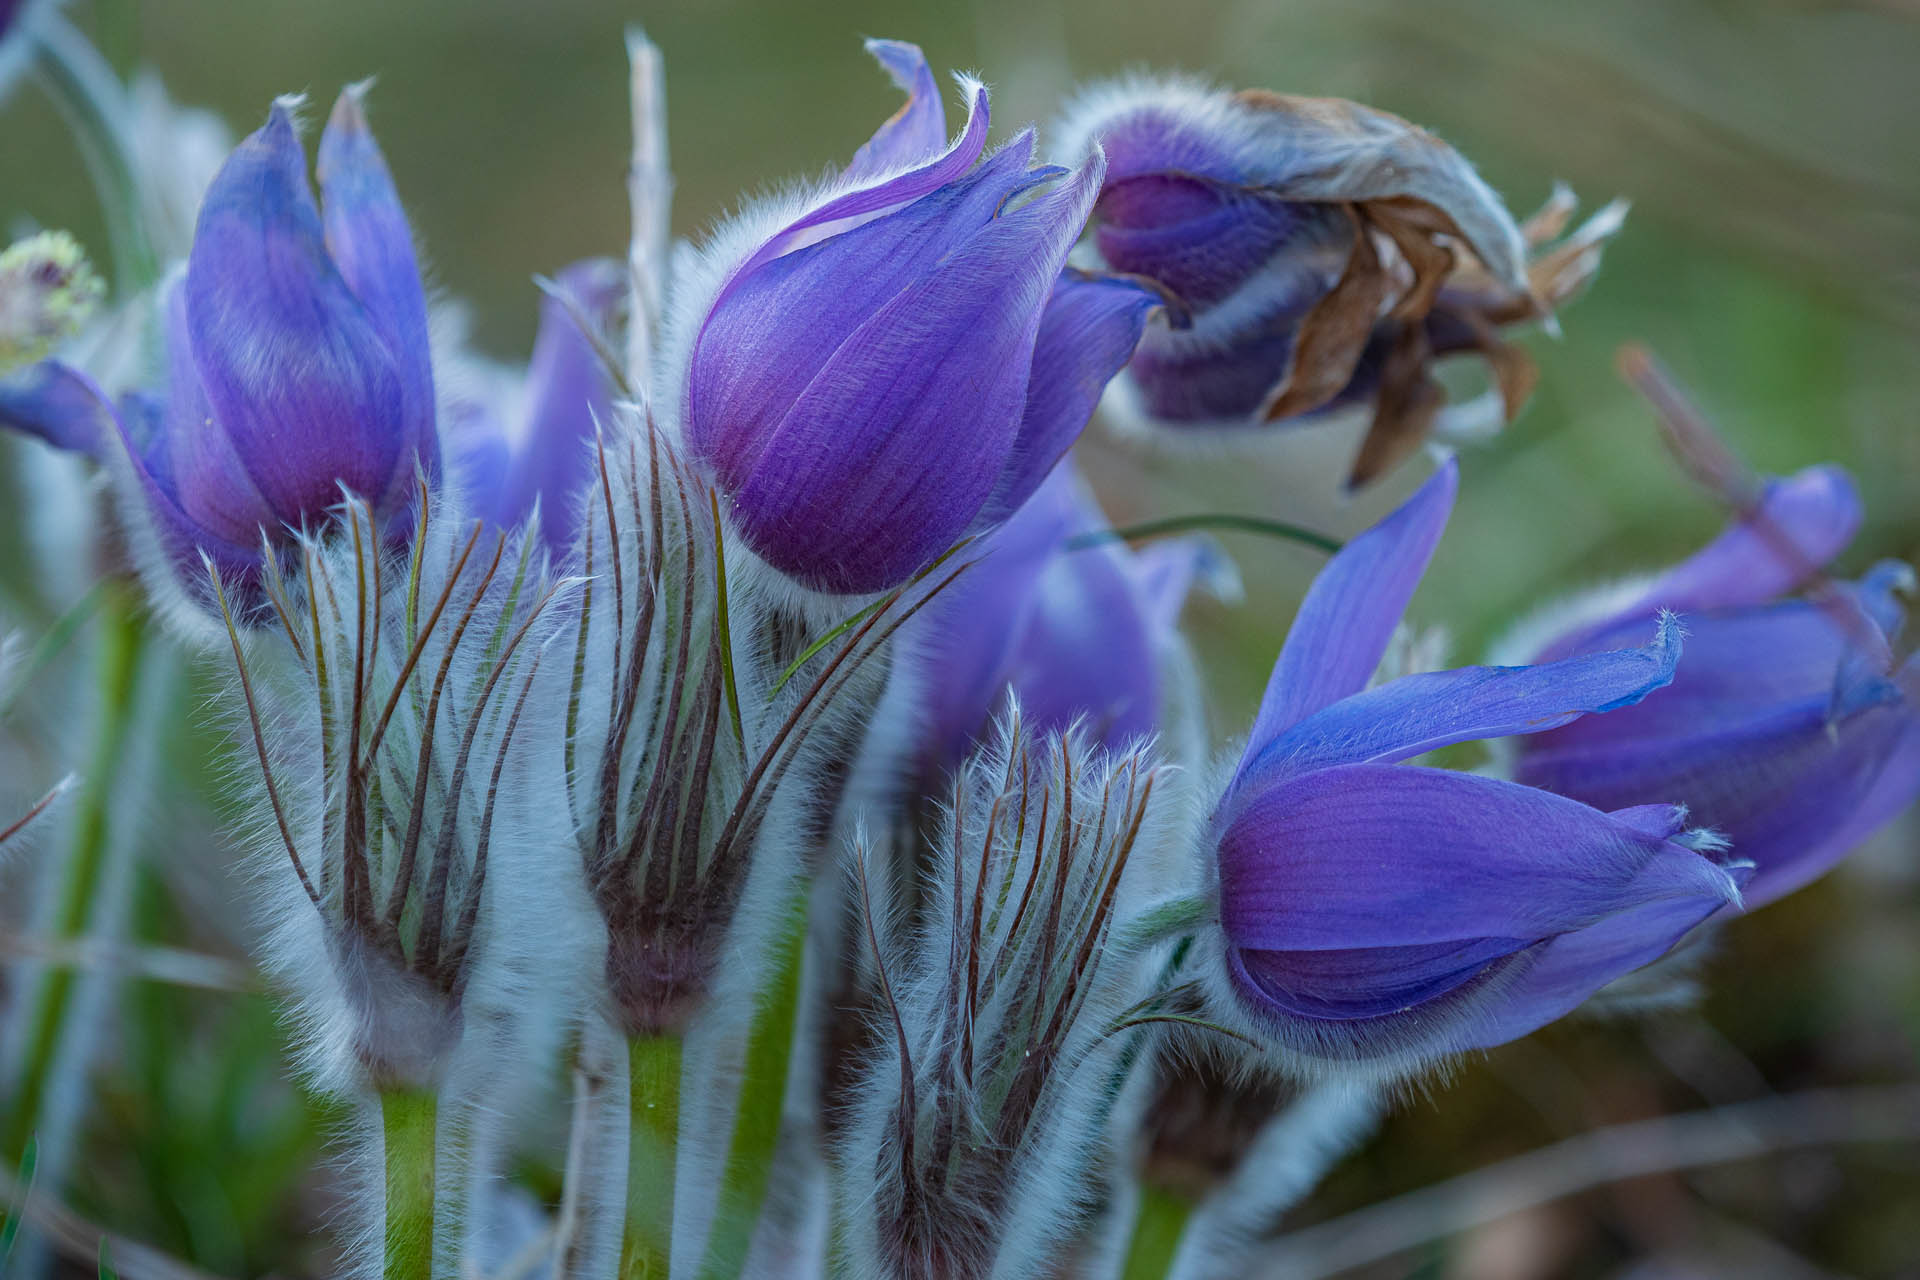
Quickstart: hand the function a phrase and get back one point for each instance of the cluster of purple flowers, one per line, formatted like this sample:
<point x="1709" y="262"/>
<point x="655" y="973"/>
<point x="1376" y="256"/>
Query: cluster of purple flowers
<point x="853" y="452"/>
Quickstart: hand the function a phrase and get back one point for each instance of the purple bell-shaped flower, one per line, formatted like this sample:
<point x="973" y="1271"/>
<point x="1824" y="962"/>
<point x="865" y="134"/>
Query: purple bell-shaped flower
<point x="900" y="359"/>
<point x="1376" y="910"/>
<point x="1790" y="727"/>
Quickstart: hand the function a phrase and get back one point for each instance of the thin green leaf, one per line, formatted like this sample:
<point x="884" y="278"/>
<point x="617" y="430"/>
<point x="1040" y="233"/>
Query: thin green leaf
<point x="10" y="1229"/>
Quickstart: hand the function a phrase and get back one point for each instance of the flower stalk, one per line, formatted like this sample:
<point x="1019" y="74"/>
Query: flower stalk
<point x="408" y="1119"/>
<point x="653" y="1083"/>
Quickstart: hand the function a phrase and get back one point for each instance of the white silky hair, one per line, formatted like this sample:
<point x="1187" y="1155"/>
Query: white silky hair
<point x="361" y="1016"/>
<point x="961" y="984"/>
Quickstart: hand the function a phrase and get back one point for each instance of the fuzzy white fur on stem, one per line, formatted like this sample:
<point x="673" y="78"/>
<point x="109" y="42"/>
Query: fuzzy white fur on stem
<point x="991" y="1103"/>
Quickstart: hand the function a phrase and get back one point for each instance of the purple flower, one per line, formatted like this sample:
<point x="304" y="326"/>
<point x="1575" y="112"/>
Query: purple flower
<point x="297" y="356"/>
<point x="1373" y="908"/>
<point x="1075" y="630"/>
<point x="902" y="360"/>
<point x="1789" y="727"/>
<point x="568" y="394"/>
<point x="1325" y="253"/>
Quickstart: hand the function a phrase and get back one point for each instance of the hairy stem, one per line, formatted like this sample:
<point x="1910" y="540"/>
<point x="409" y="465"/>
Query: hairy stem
<point x="83" y="870"/>
<point x="653" y="1083"/>
<point x="408" y="1123"/>
<point x="763" y="1091"/>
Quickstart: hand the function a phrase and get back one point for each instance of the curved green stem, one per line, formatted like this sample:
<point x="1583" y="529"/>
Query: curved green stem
<point x="653" y="1085"/>
<point x="1157" y="1228"/>
<point x="1208" y="520"/>
<point x="89" y="95"/>
<point x="123" y="640"/>
<point x="408" y="1122"/>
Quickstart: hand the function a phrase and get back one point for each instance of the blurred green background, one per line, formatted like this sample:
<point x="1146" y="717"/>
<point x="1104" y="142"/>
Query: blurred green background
<point x="1772" y="258"/>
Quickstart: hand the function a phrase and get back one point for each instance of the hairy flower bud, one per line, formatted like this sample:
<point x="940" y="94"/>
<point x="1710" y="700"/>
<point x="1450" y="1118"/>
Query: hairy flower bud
<point x="988" y="1111"/>
<point x="1376" y="911"/>
<point x="1324" y="252"/>
<point x="699" y="720"/>
<point x="1791" y="727"/>
<point x="396" y="763"/>
<point x="297" y="354"/>
<point x="900" y="360"/>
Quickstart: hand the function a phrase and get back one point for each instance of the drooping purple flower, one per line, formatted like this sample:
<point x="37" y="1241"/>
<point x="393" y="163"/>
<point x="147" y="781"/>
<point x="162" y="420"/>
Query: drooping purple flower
<point x="1326" y="254"/>
<point x="1790" y="727"/>
<point x="1075" y="629"/>
<point x="297" y="356"/>
<point x="544" y="456"/>
<point x="902" y="360"/>
<point x="1377" y="909"/>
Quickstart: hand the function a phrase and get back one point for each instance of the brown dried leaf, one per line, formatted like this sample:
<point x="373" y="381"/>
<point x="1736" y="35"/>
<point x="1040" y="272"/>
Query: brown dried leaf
<point x="1334" y="333"/>
<point x="1404" y="410"/>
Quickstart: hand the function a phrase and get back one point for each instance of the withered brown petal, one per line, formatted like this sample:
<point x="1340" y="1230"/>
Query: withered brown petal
<point x="1349" y="153"/>
<point x="1334" y="333"/>
<point x="1411" y="225"/>
<point x="1403" y="412"/>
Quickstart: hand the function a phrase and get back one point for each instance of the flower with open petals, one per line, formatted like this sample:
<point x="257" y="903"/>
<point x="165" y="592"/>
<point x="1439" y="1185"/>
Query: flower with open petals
<point x="1373" y="909"/>
<point x="1790" y="727"/>
<point x="1324" y="252"/>
<point x="900" y="360"/>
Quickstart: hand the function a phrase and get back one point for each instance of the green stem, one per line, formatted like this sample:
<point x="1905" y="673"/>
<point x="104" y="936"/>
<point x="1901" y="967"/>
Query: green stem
<point x="1157" y="1229"/>
<point x="407" y="1118"/>
<point x="122" y="641"/>
<point x="653" y="1084"/>
<point x="89" y="95"/>
<point x="1208" y="520"/>
<point x="763" y="1093"/>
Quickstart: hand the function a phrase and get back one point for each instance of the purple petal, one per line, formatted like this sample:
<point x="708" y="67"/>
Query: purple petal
<point x="1418" y="713"/>
<point x="1372" y="855"/>
<point x="298" y="377"/>
<point x="1201" y="239"/>
<point x="1563" y="973"/>
<point x="568" y="392"/>
<point x="915" y="133"/>
<point x="142" y="423"/>
<point x="1086" y="654"/>
<point x="1802" y="523"/>
<point x="372" y="246"/>
<point x="1089" y="329"/>
<point x="1350" y="612"/>
<point x="58" y="404"/>
<point x="898" y="441"/>
<point x="1793" y="790"/>
<point x="772" y="333"/>
<point x="851" y="207"/>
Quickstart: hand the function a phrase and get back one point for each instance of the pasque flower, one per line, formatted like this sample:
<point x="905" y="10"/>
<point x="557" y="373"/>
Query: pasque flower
<point x="544" y="457"/>
<point x="1374" y="909"/>
<point x="1073" y="628"/>
<point x="297" y="357"/>
<point x="1790" y="727"/>
<point x="1325" y="252"/>
<point x="900" y="360"/>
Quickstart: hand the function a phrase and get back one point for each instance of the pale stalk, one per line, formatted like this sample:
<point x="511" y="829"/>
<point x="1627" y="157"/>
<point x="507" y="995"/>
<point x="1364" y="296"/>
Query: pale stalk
<point x="653" y="1085"/>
